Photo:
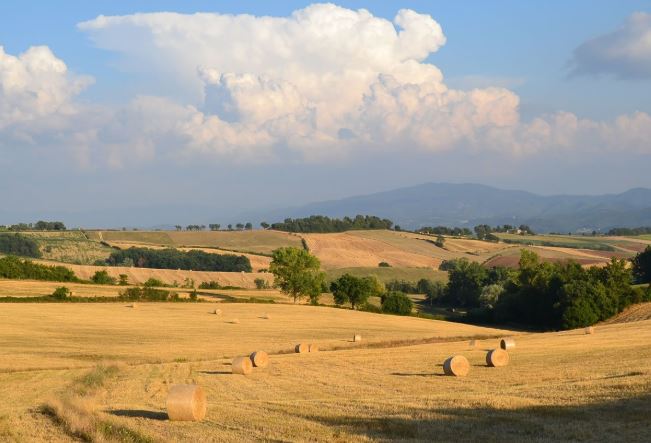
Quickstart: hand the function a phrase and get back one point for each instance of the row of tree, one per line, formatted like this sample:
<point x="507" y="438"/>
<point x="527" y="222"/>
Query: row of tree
<point x="216" y="227"/>
<point x="642" y="230"/>
<point x="38" y="226"/>
<point x="444" y="230"/>
<point x="321" y="223"/>
<point x="194" y="260"/>
<point x="15" y="268"/>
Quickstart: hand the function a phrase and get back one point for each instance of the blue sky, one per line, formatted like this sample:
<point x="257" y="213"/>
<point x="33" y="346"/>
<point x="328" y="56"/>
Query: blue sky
<point x="563" y="90"/>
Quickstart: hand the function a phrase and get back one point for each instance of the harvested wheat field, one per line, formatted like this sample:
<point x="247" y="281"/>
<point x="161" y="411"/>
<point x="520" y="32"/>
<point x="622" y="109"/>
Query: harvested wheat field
<point x="557" y="386"/>
<point x="258" y="242"/>
<point x="345" y="250"/>
<point x="138" y="276"/>
<point x="31" y="288"/>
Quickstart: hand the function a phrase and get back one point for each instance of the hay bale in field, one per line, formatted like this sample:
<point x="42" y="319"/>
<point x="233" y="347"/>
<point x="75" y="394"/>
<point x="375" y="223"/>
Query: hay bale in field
<point x="496" y="358"/>
<point x="457" y="365"/>
<point x="589" y="330"/>
<point x="186" y="403"/>
<point x="217" y="312"/>
<point x="242" y="365"/>
<point x="313" y="348"/>
<point x="260" y="359"/>
<point x="357" y="338"/>
<point x="133" y="305"/>
<point x="235" y="321"/>
<point x="302" y="348"/>
<point x="507" y="343"/>
<point x="266" y="316"/>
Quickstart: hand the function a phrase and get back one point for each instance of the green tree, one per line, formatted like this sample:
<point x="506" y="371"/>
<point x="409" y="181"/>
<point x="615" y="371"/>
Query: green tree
<point x="433" y="290"/>
<point x="353" y="290"/>
<point x="465" y="283"/>
<point x="440" y="241"/>
<point x="61" y="293"/>
<point x="642" y="266"/>
<point x="397" y="303"/>
<point x="264" y="225"/>
<point x="214" y="226"/>
<point x="124" y="280"/>
<point x="297" y="273"/>
<point x="248" y="226"/>
<point x="261" y="283"/>
<point x="102" y="278"/>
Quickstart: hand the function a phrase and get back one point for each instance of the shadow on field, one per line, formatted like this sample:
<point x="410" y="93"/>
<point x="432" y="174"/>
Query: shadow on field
<point x="216" y="372"/>
<point x="617" y="420"/>
<point x="418" y="374"/>
<point x="139" y="413"/>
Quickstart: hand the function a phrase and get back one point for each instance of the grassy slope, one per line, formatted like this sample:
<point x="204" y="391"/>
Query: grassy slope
<point x="69" y="247"/>
<point x="558" y="387"/>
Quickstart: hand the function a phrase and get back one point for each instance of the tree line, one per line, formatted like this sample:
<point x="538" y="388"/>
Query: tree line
<point x="216" y="227"/>
<point x="194" y="260"/>
<point x="323" y="224"/>
<point x="482" y="232"/>
<point x="38" y="226"/>
<point x="15" y="268"/>
<point x="546" y="295"/>
<point x="642" y="230"/>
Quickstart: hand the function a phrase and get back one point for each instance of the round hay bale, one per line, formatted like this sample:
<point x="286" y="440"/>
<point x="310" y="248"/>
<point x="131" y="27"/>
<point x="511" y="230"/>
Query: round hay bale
<point x="457" y="365"/>
<point x="267" y="317"/>
<point x="134" y="305"/>
<point x="260" y="359"/>
<point x="589" y="330"/>
<point x="186" y="403"/>
<point x="496" y="358"/>
<point x="217" y="312"/>
<point x="302" y="348"/>
<point x="357" y="338"/>
<point x="235" y="321"/>
<point x="313" y="348"/>
<point x="507" y="343"/>
<point x="242" y="365"/>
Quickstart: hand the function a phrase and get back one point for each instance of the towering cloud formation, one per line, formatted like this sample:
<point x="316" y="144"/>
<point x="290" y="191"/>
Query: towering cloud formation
<point x="325" y="82"/>
<point x="35" y="84"/>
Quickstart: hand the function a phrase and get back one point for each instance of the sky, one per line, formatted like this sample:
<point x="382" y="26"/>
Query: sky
<point x="180" y="110"/>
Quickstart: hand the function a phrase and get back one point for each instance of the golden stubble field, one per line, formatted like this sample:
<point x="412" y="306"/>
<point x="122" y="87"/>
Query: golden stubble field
<point x="558" y="387"/>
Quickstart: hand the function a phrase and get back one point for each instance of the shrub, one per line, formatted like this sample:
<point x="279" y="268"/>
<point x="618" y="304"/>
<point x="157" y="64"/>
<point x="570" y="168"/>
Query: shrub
<point x="209" y="285"/>
<point x="153" y="282"/>
<point x="397" y="303"/>
<point x="61" y="293"/>
<point x="384" y="264"/>
<point x="103" y="278"/>
<point x="124" y="280"/>
<point x="642" y="266"/>
<point x="16" y="244"/>
<point x="261" y="283"/>
<point x="368" y="307"/>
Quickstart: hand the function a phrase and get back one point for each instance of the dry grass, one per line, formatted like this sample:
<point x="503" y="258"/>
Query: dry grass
<point x="557" y="387"/>
<point x="633" y="313"/>
<point x="261" y="242"/>
<point x="353" y="250"/>
<point x="138" y="276"/>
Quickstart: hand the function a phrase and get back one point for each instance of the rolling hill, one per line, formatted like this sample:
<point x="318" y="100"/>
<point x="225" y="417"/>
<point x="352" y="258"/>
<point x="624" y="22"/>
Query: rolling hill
<point x="472" y="204"/>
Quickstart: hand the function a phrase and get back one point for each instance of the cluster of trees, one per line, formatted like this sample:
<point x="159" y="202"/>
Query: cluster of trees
<point x="444" y="230"/>
<point x="357" y="291"/>
<point x="485" y="232"/>
<point x="643" y="230"/>
<point x="216" y="227"/>
<point x="320" y="223"/>
<point x="16" y="268"/>
<point x="642" y="266"/>
<point x="174" y="259"/>
<point x="38" y="226"/>
<point x="16" y="244"/>
<point x="543" y="295"/>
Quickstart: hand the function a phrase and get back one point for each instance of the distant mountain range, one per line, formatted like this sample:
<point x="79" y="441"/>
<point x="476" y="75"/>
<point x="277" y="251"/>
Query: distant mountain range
<point x="468" y="205"/>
